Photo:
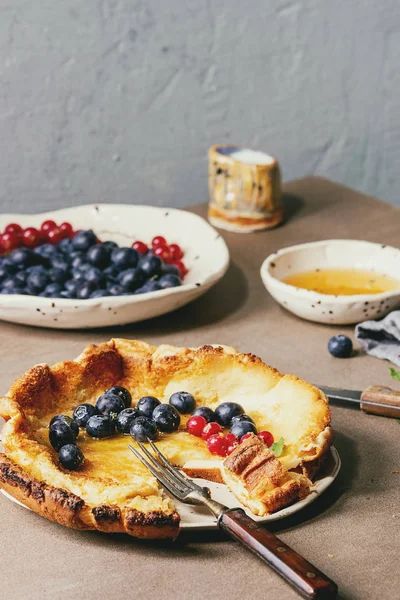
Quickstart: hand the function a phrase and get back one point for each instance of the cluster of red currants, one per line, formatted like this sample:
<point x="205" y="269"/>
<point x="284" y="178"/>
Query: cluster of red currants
<point x="14" y="236"/>
<point x="171" y="254"/>
<point x="217" y="442"/>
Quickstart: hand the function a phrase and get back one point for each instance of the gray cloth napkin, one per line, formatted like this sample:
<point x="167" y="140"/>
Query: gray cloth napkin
<point x="381" y="338"/>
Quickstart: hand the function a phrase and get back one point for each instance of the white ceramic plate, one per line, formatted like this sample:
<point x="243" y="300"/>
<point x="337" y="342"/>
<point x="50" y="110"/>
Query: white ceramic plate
<point x="331" y="254"/>
<point x="197" y="517"/>
<point x="206" y="257"/>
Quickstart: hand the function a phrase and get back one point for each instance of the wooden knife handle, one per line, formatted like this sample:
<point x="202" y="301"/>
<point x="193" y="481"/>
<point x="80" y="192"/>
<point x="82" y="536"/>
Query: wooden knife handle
<point x="383" y="395"/>
<point x="308" y="581"/>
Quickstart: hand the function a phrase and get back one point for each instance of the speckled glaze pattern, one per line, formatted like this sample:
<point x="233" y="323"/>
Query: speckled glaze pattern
<point x="206" y="257"/>
<point x="325" y="308"/>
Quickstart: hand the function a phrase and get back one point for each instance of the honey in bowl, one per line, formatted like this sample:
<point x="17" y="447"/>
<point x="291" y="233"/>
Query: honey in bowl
<point x="343" y="282"/>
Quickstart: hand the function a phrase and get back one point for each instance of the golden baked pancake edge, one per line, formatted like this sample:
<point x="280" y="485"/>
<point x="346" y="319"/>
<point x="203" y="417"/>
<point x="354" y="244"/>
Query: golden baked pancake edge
<point x="115" y="493"/>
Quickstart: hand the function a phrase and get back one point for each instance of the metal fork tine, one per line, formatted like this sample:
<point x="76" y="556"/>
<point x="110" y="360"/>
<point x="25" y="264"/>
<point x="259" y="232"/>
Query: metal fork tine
<point x="167" y="473"/>
<point x="158" y="475"/>
<point x="178" y="474"/>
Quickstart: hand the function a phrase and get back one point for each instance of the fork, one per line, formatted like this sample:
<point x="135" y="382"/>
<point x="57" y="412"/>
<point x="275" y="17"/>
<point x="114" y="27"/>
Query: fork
<point x="306" y="579"/>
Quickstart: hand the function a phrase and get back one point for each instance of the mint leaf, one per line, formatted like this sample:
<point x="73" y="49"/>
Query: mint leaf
<point x="395" y="374"/>
<point x="277" y="447"/>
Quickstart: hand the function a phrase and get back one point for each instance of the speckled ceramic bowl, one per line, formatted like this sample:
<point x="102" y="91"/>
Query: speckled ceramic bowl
<point x="331" y="254"/>
<point x="206" y="257"/>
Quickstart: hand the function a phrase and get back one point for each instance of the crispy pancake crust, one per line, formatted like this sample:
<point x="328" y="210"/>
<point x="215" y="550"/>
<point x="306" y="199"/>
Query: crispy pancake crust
<point x="29" y="469"/>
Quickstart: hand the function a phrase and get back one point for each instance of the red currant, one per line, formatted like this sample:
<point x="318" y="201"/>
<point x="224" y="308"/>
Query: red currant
<point x="211" y="429"/>
<point x="13" y="228"/>
<point x="231" y="448"/>
<point x="31" y="237"/>
<point x="182" y="269"/>
<point x="48" y="226"/>
<point x="66" y="229"/>
<point x="217" y="444"/>
<point x="195" y="425"/>
<point x="231" y="438"/>
<point x="244" y="437"/>
<point x="266" y="437"/>
<point x="176" y="251"/>
<point x="163" y="253"/>
<point x="55" y="236"/>
<point x="9" y="241"/>
<point x="157" y="241"/>
<point x="141" y="247"/>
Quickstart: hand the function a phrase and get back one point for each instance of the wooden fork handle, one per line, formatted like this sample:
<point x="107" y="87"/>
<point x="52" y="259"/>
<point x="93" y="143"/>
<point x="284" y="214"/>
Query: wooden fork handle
<point x="308" y="581"/>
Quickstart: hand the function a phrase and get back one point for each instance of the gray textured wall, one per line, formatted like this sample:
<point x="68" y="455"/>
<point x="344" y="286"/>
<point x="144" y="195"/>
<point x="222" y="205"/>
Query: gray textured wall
<point x="118" y="100"/>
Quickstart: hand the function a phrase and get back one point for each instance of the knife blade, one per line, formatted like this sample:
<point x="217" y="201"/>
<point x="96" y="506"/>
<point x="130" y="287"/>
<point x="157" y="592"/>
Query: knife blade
<point x="379" y="400"/>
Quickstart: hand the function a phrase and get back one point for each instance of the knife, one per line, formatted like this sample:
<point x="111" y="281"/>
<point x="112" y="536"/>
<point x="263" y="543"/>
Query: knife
<point x="376" y="399"/>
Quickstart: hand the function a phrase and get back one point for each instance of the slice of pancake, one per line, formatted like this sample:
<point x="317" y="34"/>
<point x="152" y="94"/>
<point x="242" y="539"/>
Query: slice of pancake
<point x="112" y="491"/>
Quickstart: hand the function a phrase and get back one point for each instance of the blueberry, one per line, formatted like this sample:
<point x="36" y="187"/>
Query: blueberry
<point x="226" y="411"/>
<point x="170" y="270"/>
<point x="59" y="261"/>
<point x="20" y="278"/>
<point x="130" y="279"/>
<point x="13" y="290"/>
<point x="183" y="402"/>
<point x="78" y="274"/>
<point x="60" y="274"/>
<point x="22" y="257"/>
<point x="61" y="433"/>
<point x="147" y="404"/>
<point x="65" y="246"/>
<point x="71" y="457"/>
<point x="149" y="286"/>
<point x="111" y="273"/>
<point x="116" y="290"/>
<point x="94" y="275"/>
<point x="100" y="426"/>
<point x="78" y="261"/>
<point x="124" y="258"/>
<point x="6" y="271"/>
<point x="53" y="290"/>
<point x="242" y="417"/>
<point x="169" y="281"/>
<point x="142" y="429"/>
<point x="82" y="414"/>
<point x="37" y="281"/>
<point x="75" y="253"/>
<point x="166" y="418"/>
<point x="110" y="404"/>
<point x="70" y="422"/>
<point x="110" y="245"/>
<point x="67" y="294"/>
<point x="340" y="346"/>
<point x="239" y="428"/>
<point x="122" y="392"/>
<point x="71" y="285"/>
<point x="99" y="294"/>
<point x="9" y="284"/>
<point x="83" y="240"/>
<point x="207" y="413"/>
<point x="98" y="256"/>
<point x="150" y="265"/>
<point x="85" y="290"/>
<point x="126" y="418"/>
<point x="45" y="250"/>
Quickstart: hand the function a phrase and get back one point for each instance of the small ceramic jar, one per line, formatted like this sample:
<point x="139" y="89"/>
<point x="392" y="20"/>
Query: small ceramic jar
<point x="245" y="189"/>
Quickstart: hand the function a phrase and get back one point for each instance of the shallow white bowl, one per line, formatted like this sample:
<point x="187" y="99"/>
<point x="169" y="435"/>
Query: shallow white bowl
<point x="206" y="257"/>
<point x="331" y="254"/>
